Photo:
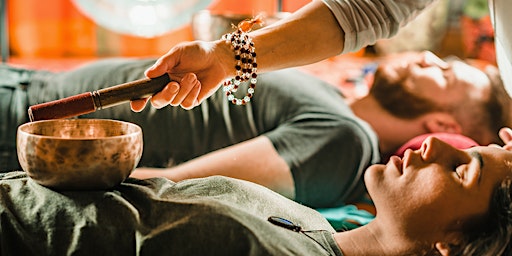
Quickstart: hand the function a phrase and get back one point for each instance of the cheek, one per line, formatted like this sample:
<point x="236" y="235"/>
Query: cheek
<point x="429" y="191"/>
<point x="380" y="184"/>
<point x="425" y="190"/>
<point x="419" y="199"/>
<point x="445" y="196"/>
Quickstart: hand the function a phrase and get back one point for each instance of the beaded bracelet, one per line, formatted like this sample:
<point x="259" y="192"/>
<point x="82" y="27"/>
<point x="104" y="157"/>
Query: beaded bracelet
<point x="245" y="57"/>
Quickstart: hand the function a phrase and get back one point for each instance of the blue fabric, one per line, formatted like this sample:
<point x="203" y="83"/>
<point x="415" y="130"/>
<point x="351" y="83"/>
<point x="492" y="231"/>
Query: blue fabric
<point x="346" y="217"/>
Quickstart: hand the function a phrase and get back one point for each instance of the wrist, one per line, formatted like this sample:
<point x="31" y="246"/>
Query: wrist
<point x="224" y="55"/>
<point x="244" y="51"/>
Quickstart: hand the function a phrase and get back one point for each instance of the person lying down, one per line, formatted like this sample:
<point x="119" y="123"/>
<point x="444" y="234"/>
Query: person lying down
<point x="436" y="200"/>
<point x="298" y="136"/>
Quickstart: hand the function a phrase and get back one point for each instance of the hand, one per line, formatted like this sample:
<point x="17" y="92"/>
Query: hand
<point x="506" y="137"/>
<point x="196" y="70"/>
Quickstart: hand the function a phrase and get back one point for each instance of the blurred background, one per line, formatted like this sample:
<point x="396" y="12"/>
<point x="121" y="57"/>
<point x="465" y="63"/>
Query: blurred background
<point x="63" y="29"/>
<point x="58" y="28"/>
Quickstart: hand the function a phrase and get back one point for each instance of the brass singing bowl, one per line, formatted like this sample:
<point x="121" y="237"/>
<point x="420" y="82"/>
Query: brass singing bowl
<point x="79" y="154"/>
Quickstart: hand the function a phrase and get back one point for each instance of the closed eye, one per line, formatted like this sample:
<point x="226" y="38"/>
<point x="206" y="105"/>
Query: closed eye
<point x="456" y="173"/>
<point x="469" y="170"/>
<point x="460" y="171"/>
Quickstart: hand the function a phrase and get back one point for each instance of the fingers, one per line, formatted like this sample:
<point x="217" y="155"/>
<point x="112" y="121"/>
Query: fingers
<point x="191" y="100"/>
<point x="138" y="105"/>
<point x="506" y="136"/>
<point x="185" y="93"/>
<point x="160" y="67"/>
<point x="166" y="95"/>
<point x="189" y="90"/>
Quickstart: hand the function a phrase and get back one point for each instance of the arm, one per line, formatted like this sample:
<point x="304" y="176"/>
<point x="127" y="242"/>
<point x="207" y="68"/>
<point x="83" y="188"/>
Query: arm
<point x="254" y="160"/>
<point x="309" y="35"/>
<point x="317" y="31"/>
<point x="212" y="62"/>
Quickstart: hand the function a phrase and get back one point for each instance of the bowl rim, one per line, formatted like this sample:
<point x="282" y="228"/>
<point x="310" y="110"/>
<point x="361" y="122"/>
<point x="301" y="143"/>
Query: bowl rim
<point x="138" y="129"/>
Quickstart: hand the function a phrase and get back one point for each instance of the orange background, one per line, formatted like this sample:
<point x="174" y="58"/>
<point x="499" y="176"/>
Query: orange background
<point x="57" y="29"/>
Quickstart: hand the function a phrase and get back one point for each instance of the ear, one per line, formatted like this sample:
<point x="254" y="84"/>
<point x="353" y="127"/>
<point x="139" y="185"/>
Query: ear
<point x="442" y="122"/>
<point x="443" y="248"/>
<point x="450" y="242"/>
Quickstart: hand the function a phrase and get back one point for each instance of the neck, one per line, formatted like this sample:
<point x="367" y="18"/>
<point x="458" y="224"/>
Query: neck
<point x="372" y="239"/>
<point x="392" y="131"/>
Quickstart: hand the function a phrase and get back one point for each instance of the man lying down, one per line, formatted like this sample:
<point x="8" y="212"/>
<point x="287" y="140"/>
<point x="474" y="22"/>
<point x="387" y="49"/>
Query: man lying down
<point x="437" y="200"/>
<point x="298" y="136"/>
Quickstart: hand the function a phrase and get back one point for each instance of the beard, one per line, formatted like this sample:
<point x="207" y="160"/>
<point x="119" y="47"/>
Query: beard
<point x="394" y="97"/>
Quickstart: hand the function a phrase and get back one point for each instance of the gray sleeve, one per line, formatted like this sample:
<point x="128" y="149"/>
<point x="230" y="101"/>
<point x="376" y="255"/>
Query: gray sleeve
<point x="366" y="21"/>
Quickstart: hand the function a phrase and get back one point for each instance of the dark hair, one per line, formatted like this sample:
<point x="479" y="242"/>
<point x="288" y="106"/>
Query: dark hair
<point x="499" y="105"/>
<point x="493" y="238"/>
<point x="490" y="114"/>
<point x="392" y="96"/>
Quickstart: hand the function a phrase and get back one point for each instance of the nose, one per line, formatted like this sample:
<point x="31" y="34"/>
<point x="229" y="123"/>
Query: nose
<point x="429" y="59"/>
<point x="434" y="149"/>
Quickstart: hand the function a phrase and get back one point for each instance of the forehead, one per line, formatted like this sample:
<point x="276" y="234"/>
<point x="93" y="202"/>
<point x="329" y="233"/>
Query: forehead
<point x="471" y="77"/>
<point x="466" y="86"/>
<point x="457" y="81"/>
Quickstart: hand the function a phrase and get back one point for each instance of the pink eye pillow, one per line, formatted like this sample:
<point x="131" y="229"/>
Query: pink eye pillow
<point x="456" y="140"/>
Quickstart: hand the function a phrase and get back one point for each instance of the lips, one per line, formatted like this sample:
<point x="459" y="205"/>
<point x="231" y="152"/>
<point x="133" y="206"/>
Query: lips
<point x="405" y="160"/>
<point x="397" y="162"/>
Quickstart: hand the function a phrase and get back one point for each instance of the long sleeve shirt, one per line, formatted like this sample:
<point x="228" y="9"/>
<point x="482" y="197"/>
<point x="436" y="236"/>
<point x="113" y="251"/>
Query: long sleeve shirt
<point x="503" y="38"/>
<point x="366" y="21"/>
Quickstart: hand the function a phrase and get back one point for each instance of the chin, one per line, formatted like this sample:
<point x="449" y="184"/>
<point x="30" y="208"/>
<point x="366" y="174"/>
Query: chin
<point x="373" y="176"/>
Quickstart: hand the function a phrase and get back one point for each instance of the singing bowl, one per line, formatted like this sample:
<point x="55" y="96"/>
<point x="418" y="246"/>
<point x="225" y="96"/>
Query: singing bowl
<point x="79" y="154"/>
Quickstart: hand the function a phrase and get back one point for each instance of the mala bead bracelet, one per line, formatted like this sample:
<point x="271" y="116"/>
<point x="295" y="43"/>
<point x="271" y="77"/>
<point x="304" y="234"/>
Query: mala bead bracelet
<point x="245" y="56"/>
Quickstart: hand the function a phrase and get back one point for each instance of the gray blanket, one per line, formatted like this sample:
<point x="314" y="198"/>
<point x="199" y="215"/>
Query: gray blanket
<point x="210" y="216"/>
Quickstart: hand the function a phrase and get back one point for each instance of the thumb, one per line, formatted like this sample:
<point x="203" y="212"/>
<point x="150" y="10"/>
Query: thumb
<point x="163" y="65"/>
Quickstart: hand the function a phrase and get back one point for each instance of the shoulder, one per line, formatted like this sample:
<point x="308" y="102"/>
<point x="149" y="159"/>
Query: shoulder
<point x="299" y="81"/>
<point x="296" y="91"/>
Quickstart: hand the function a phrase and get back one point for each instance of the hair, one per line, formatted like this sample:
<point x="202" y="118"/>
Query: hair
<point x="492" y="238"/>
<point x="491" y="114"/>
<point x="401" y="103"/>
<point x="488" y="235"/>
<point x="499" y="105"/>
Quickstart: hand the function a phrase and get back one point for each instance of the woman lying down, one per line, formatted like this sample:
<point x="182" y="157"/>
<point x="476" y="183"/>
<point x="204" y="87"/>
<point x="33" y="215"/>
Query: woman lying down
<point x="437" y="200"/>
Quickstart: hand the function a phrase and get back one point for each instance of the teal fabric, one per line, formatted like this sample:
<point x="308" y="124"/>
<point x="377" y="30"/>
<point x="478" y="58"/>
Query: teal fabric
<point x="346" y="217"/>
